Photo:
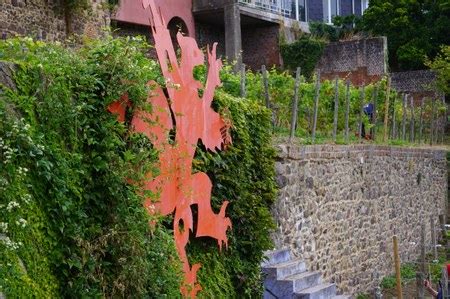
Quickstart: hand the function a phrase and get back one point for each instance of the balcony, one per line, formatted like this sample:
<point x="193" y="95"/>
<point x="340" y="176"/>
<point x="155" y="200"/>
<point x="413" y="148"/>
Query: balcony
<point x="280" y="7"/>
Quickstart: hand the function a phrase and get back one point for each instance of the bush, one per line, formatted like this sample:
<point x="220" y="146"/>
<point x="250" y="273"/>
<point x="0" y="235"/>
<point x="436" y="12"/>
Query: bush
<point x="80" y="227"/>
<point x="304" y="52"/>
<point x="244" y="175"/>
<point x="71" y="217"/>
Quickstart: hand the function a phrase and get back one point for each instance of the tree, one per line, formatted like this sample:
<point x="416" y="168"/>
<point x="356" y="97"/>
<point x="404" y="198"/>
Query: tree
<point x="441" y="65"/>
<point x="415" y="29"/>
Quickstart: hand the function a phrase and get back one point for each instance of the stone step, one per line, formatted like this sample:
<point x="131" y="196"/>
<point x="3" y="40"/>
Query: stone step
<point x="283" y="270"/>
<point x="321" y="291"/>
<point x="276" y="257"/>
<point x="304" y="280"/>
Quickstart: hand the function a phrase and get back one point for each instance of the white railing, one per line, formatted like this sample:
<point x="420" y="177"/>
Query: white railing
<point x="280" y="7"/>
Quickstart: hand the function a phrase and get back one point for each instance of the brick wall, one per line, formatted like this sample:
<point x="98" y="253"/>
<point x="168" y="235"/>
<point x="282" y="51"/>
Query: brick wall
<point x="362" y="60"/>
<point x="207" y="34"/>
<point x="416" y="83"/>
<point x="260" y="45"/>
<point x="44" y="20"/>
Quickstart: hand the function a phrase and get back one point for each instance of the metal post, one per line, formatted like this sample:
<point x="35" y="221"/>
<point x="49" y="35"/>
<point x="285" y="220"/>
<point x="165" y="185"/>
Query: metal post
<point x="397" y="269"/>
<point x="316" y="106"/>
<point x="336" y="107"/>
<point x="347" y="110"/>
<point x="295" y="105"/>
<point x="386" y="110"/>
<point x="297" y="15"/>
<point x="243" y="89"/>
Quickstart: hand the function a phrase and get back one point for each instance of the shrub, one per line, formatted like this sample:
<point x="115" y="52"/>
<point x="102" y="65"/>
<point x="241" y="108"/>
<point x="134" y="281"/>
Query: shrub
<point x="77" y="225"/>
<point x="244" y="175"/>
<point x="304" y="52"/>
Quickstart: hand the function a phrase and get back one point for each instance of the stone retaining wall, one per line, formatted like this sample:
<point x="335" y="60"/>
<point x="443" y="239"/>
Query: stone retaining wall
<point x="44" y="19"/>
<point x="339" y="207"/>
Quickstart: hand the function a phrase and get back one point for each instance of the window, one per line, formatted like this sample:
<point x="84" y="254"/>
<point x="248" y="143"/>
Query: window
<point x="364" y="5"/>
<point x="330" y="10"/>
<point x="301" y="10"/>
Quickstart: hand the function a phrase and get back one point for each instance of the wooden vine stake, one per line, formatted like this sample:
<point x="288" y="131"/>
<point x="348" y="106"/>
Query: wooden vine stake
<point x="336" y="107"/>
<point x="361" y="110"/>
<point x="433" y="237"/>
<point x="347" y="110"/>
<point x="316" y="106"/>
<point x="375" y="97"/>
<point x="394" y="121"/>
<point x="432" y="124"/>
<point x="411" y="120"/>
<point x="295" y="104"/>
<point x="405" y="96"/>
<point x="421" y="120"/>
<point x="386" y="111"/>
<point x="398" y="277"/>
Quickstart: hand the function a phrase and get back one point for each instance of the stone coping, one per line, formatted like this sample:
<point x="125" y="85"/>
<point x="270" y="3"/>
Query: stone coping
<point x="301" y="152"/>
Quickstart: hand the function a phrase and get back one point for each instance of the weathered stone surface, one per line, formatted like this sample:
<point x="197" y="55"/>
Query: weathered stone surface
<point x="43" y="19"/>
<point x="6" y="75"/>
<point x="341" y="205"/>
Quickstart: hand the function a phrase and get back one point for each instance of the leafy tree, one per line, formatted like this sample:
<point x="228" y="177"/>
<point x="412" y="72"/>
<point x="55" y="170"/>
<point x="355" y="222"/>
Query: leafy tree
<point x="441" y="65"/>
<point x="414" y="28"/>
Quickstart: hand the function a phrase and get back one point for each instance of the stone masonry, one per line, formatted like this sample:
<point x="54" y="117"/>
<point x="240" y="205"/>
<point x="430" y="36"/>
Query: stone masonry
<point x="362" y="61"/>
<point x="44" y="19"/>
<point x="339" y="207"/>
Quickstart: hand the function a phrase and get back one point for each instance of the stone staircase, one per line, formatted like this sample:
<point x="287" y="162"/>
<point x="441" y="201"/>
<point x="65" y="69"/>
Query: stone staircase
<point x="286" y="277"/>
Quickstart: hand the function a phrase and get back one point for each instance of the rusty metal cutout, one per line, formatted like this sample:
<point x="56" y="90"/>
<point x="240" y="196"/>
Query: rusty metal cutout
<point x="195" y="120"/>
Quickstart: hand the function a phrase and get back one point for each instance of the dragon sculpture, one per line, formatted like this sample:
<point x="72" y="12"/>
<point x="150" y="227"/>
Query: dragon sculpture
<point x="190" y="118"/>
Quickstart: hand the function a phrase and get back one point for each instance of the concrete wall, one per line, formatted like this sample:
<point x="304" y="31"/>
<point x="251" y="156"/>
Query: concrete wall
<point x="339" y="206"/>
<point x="44" y="20"/>
<point x="362" y="60"/>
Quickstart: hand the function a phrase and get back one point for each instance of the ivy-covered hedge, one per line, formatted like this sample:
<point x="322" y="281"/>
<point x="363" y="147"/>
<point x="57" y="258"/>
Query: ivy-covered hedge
<point x="244" y="175"/>
<point x="70" y="223"/>
<point x="305" y="52"/>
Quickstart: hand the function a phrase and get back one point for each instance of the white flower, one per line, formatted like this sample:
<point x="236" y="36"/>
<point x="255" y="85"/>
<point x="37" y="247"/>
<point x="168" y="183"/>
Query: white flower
<point x="10" y="244"/>
<point x="12" y="205"/>
<point x="22" y="222"/>
<point x="27" y="198"/>
<point x="4" y="227"/>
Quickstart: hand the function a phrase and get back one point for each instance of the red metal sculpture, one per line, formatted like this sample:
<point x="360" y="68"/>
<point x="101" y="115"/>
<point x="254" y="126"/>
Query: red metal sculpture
<point x="191" y="118"/>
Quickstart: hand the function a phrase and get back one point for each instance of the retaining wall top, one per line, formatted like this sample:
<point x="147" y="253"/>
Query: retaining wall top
<point x="297" y="152"/>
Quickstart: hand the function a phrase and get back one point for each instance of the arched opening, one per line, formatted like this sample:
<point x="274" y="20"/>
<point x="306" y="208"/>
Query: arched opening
<point x="176" y="25"/>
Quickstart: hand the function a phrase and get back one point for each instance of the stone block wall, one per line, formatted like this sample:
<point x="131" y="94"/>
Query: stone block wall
<point x="339" y="207"/>
<point x="361" y="60"/>
<point x="44" y="19"/>
<point x="418" y="84"/>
